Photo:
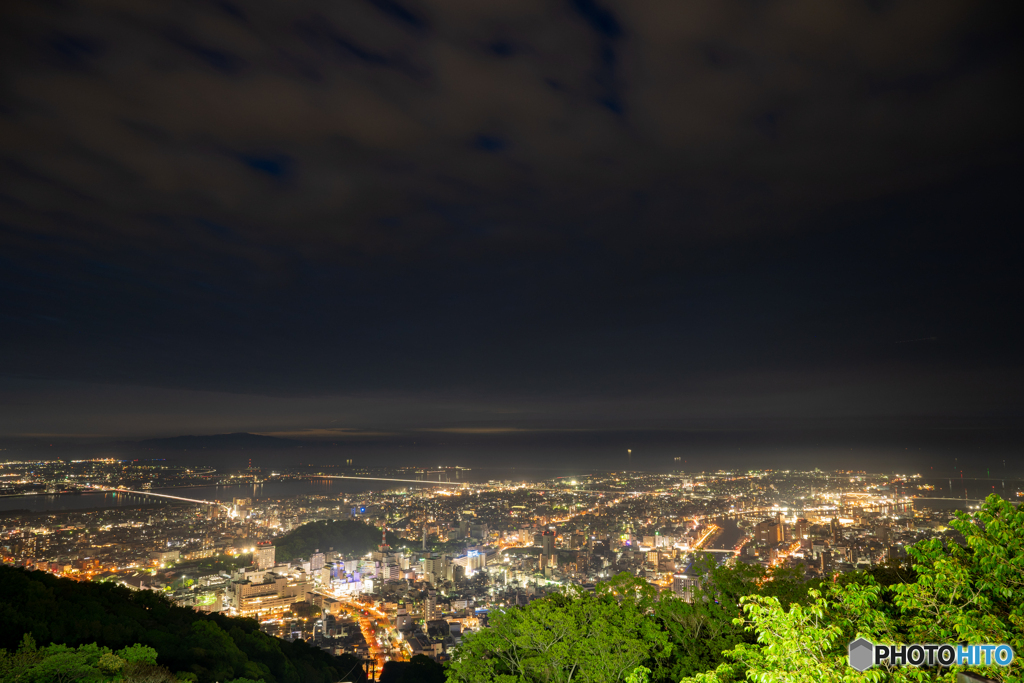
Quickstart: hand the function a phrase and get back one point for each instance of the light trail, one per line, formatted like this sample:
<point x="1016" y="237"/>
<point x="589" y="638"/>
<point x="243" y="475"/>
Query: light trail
<point x="713" y="530"/>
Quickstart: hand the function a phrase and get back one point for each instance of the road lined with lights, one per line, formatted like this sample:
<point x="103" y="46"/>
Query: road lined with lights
<point x="368" y="616"/>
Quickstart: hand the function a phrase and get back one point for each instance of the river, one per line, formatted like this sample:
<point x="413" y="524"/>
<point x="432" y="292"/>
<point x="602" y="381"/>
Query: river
<point x="66" y="502"/>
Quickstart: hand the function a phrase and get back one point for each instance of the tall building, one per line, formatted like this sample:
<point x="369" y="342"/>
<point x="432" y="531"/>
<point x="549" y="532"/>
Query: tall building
<point x="317" y="560"/>
<point x="769" y="531"/>
<point x="433" y="569"/>
<point x="264" y="557"/>
<point x="784" y="533"/>
<point x="547" y="547"/>
<point x="653" y="559"/>
<point x="826" y="562"/>
<point x="685" y="586"/>
<point x="837" y="531"/>
<point x="430" y="605"/>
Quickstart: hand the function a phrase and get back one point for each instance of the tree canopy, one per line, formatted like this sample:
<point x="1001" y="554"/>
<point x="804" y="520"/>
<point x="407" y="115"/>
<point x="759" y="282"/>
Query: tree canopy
<point x="566" y="638"/>
<point x="57" y="663"/>
<point x="349" y="537"/>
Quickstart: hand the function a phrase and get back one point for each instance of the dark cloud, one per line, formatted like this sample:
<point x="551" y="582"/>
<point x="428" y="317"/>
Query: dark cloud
<point x="516" y="199"/>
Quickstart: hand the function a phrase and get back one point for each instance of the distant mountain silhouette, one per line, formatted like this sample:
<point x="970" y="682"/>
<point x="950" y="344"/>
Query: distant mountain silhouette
<point x="223" y="442"/>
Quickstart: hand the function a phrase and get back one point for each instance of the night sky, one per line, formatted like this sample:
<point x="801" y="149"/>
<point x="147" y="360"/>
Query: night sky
<point x="360" y="218"/>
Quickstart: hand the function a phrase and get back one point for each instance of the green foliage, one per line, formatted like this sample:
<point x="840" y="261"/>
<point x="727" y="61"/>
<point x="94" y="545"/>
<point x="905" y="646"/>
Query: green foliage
<point x="641" y="674"/>
<point x="804" y="644"/>
<point x="85" y="664"/>
<point x="702" y="630"/>
<point x="140" y="672"/>
<point x="349" y="537"/>
<point x="110" y="663"/>
<point x="148" y="632"/>
<point x="567" y="637"/>
<point x="138" y="653"/>
<point x="972" y="593"/>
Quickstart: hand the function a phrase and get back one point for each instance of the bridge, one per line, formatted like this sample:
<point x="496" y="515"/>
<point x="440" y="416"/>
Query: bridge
<point x="111" y="489"/>
<point x="923" y="499"/>
<point x="425" y="482"/>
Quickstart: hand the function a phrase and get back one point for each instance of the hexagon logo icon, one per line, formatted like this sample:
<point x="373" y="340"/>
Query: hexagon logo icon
<point x="861" y="653"/>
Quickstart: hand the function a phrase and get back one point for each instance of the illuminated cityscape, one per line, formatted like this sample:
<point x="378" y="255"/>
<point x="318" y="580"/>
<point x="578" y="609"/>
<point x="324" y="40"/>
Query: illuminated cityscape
<point x="458" y="549"/>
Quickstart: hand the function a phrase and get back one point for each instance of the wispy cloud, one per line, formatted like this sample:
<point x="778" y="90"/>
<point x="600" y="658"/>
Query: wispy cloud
<point x="59" y="435"/>
<point x="497" y="430"/>
<point x="326" y="433"/>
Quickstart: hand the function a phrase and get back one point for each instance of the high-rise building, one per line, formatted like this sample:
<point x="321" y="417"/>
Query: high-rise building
<point x="317" y="560"/>
<point x="837" y="531"/>
<point x="430" y="605"/>
<point x="264" y="557"/>
<point x="547" y="546"/>
<point x="826" y="562"/>
<point x="685" y="586"/>
<point x="784" y="533"/>
<point x="768" y="531"/>
<point x="433" y="569"/>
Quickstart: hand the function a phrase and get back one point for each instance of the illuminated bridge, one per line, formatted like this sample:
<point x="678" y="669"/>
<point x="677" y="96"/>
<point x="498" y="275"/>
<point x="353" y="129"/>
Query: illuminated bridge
<point x="407" y="481"/>
<point x="110" y="489"/>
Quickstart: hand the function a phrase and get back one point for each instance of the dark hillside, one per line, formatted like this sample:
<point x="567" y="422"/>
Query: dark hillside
<point x="213" y="647"/>
<point x="348" y="537"/>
